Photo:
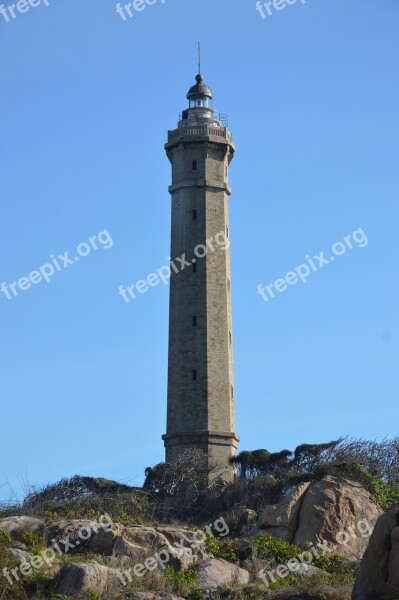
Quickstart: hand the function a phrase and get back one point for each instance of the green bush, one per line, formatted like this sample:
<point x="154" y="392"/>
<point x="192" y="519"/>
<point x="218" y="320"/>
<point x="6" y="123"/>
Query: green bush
<point x="273" y="548"/>
<point x="5" y="538"/>
<point x="277" y="551"/>
<point x="181" y="582"/>
<point x="51" y="516"/>
<point x="221" y="549"/>
<point x="386" y="494"/>
<point x="125" y="519"/>
<point x="33" y="542"/>
<point x="283" y="582"/>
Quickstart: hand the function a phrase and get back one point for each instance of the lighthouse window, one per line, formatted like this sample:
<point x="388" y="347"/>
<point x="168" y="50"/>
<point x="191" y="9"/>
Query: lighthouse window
<point x="194" y="321"/>
<point x="203" y="101"/>
<point x="194" y="165"/>
<point x="195" y="375"/>
<point x="194" y="267"/>
<point x="195" y="215"/>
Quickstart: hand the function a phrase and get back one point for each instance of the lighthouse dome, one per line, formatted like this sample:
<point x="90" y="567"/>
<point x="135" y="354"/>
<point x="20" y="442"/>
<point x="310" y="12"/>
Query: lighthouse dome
<point x="200" y="94"/>
<point x="199" y="89"/>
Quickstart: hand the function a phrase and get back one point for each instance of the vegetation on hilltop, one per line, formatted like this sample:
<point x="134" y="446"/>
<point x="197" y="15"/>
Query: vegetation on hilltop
<point x="373" y="464"/>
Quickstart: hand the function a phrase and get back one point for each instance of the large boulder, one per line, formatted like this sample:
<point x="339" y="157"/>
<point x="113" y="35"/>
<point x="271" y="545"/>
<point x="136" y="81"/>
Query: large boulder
<point x="100" y="538"/>
<point x="378" y="578"/>
<point x="129" y="545"/>
<point x="126" y="553"/>
<point x="183" y="558"/>
<point x="86" y="578"/>
<point x="340" y="512"/>
<point x="215" y="572"/>
<point x="184" y="547"/>
<point x="18" y="526"/>
<point x="177" y="536"/>
<point x="72" y="534"/>
<point x="147" y="537"/>
<point x="336" y="512"/>
<point x="283" y="517"/>
<point x="103" y="541"/>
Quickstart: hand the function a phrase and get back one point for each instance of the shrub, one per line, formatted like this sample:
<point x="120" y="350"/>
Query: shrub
<point x="374" y="464"/>
<point x="87" y="498"/>
<point x="387" y="493"/>
<point x="221" y="549"/>
<point x="125" y="519"/>
<point x="379" y="459"/>
<point x="5" y="538"/>
<point x="33" y="541"/>
<point x="164" y="478"/>
<point x="274" y="548"/>
<point x="181" y="582"/>
<point x="51" y="516"/>
<point x="282" y="582"/>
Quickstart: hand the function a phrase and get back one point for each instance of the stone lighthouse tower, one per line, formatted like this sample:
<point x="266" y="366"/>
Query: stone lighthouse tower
<point x="200" y="374"/>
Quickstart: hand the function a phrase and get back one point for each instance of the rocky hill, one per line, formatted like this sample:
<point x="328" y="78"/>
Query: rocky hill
<point x="319" y="534"/>
<point x="308" y="545"/>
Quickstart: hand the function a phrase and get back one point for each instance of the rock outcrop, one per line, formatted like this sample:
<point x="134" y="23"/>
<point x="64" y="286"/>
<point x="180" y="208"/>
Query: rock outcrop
<point x="128" y="544"/>
<point x="325" y="513"/>
<point x="334" y="511"/>
<point x="378" y="578"/>
<point x="133" y="545"/>
<point x="85" y="578"/>
<point x="18" y="526"/>
<point x="215" y="572"/>
<point x="281" y="520"/>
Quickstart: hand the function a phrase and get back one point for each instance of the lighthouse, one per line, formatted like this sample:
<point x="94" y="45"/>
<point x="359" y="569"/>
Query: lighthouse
<point x="200" y="402"/>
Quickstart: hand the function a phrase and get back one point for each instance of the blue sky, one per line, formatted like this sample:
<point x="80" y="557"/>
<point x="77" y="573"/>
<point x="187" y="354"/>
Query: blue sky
<point x="312" y="95"/>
